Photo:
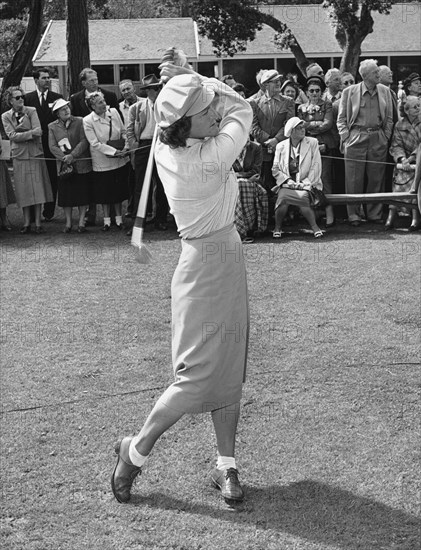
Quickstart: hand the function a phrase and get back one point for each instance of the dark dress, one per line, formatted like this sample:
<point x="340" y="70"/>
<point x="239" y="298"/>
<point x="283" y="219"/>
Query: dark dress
<point x="77" y="189"/>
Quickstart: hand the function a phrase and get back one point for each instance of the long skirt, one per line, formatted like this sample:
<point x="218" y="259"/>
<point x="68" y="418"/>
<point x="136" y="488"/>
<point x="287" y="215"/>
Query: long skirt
<point x="7" y="195"/>
<point x="210" y="324"/>
<point x="75" y="191"/>
<point x="32" y="182"/>
<point x="111" y="186"/>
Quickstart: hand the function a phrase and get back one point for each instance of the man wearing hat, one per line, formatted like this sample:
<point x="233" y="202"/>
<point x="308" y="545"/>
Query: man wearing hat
<point x="365" y="124"/>
<point x="412" y="85"/>
<point x="270" y="113"/>
<point x="42" y="99"/>
<point x="140" y="129"/>
<point x="203" y="125"/>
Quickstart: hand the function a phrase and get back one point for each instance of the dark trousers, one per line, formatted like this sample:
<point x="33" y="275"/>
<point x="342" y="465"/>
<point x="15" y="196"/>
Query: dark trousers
<point x="267" y="182"/>
<point x="132" y="186"/>
<point x="141" y="161"/>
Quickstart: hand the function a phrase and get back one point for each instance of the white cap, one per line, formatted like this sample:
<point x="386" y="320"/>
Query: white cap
<point x="59" y="103"/>
<point x="291" y="124"/>
<point x="270" y="76"/>
<point x="183" y="95"/>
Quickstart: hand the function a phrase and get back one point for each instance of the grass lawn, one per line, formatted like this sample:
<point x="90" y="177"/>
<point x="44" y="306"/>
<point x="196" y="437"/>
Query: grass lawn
<point x="329" y="439"/>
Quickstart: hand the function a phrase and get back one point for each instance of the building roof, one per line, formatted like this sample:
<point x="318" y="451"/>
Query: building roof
<point x="121" y="40"/>
<point x="144" y="40"/>
<point x="398" y="33"/>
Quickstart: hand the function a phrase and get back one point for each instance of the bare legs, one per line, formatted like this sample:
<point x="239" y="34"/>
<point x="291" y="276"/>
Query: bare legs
<point x="416" y="219"/>
<point x="27" y="215"/>
<point x="306" y="211"/>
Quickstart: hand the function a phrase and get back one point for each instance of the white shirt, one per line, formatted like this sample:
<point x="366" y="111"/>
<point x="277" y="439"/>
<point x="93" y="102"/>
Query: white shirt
<point x="199" y="182"/>
<point x="124" y="109"/>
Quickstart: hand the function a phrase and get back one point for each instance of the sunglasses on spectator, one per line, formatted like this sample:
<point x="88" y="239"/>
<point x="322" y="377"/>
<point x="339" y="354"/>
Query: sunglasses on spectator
<point x="18" y="97"/>
<point x="314" y="91"/>
<point x="348" y="82"/>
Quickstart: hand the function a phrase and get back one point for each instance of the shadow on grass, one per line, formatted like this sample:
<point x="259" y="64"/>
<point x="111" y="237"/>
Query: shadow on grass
<point x="311" y="510"/>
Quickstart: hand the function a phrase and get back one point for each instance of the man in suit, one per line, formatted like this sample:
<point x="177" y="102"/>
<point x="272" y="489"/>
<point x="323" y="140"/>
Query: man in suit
<point x="42" y="99"/>
<point x="80" y="106"/>
<point x="365" y="124"/>
<point x="140" y="130"/>
<point x="270" y="113"/>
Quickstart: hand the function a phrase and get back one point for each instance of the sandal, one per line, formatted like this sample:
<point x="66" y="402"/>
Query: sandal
<point x="277" y="234"/>
<point x="248" y="240"/>
<point x="318" y="234"/>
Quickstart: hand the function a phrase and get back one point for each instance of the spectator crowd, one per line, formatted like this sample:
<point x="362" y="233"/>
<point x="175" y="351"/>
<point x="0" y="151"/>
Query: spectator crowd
<point x="328" y="136"/>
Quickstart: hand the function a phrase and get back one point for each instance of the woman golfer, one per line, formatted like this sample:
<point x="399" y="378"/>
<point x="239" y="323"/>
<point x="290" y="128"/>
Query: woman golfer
<point x="203" y="125"/>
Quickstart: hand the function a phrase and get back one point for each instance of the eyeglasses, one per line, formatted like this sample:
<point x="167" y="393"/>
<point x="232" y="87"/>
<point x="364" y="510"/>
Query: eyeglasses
<point x="314" y="91"/>
<point x="17" y="97"/>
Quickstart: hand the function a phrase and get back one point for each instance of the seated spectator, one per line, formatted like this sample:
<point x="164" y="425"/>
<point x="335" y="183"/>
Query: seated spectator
<point x="416" y="184"/>
<point x="30" y="174"/>
<point x="7" y="195"/>
<point x="406" y="139"/>
<point x="229" y="80"/>
<point x="109" y="163"/>
<point x="240" y="89"/>
<point x="67" y="142"/>
<point x="297" y="167"/>
<point x="251" y="213"/>
<point x="318" y="117"/>
<point x="347" y="80"/>
<point x="290" y="89"/>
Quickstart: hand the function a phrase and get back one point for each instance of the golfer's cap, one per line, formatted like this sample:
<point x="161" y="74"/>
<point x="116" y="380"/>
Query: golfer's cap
<point x="183" y="95"/>
<point x="270" y="76"/>
<point x="291" y="124"/>
<point x="59" y="103"/>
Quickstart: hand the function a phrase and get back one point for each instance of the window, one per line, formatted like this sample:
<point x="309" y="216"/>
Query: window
<point x="105" y="73"/>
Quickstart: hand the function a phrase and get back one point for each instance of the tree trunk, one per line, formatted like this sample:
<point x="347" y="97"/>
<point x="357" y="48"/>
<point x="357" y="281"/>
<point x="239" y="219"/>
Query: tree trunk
<point x="77" y="35"/>
<point x="289" y="40"/>
<point x="26" y="49"/>
<point x="351" y="55"/>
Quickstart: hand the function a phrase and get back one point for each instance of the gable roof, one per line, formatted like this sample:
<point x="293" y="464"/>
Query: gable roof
<point x="396" y="33"/>
<point x="121" y="40"/>
<point x="144" y="40"/>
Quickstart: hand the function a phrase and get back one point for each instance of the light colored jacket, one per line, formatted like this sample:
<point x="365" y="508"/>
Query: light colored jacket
<point x="137" y="122"/>
<point x="97" y="131"/>
<point x="349" y="107"/>
<point x="23" y="144"/>
<point x="310" y="163"/>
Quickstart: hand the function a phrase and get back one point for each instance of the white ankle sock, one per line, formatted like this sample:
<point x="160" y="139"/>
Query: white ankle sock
<point x="225" y="462"/>
<point x="107" y="221"/>
<point x="119" y="220"/>
<point x="136" y="458"/>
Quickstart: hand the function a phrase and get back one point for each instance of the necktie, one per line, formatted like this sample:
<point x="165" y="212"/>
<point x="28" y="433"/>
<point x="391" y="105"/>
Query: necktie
<point x="43" y="101"/>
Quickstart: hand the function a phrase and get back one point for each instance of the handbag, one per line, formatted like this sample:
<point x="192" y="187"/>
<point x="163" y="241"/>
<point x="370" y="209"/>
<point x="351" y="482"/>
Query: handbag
<point x="119" y="143"/>
<point x="317" y="198"/>
<point x="65" y="172"/>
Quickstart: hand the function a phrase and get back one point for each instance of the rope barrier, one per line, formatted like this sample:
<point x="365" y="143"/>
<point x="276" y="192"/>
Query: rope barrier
<point x="77" y="159"/>
<point x="148" y="146"/>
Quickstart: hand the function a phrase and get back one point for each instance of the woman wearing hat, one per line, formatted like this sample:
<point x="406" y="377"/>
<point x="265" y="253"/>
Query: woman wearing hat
<point x="109" y="163"/>
<point x="406" y="139"/>
<point x="204" y="125"/>
<point x="32" y="183"/>
<point x="68" y="143"/>
<point x="297" y="167"/>
<point x="412" y="85"/>
<point x="318" y="117"/>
